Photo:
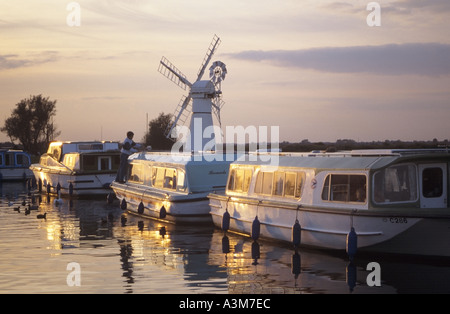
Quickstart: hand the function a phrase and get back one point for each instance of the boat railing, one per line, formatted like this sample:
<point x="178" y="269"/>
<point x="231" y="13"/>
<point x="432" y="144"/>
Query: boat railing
<point x="357" y="153"/>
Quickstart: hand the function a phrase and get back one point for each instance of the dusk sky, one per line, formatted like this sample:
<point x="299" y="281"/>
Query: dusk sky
<point x="314" y="68"/>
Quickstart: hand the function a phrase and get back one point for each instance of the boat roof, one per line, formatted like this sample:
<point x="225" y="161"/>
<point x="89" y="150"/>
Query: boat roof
<point x="183" y="159"/>
<point x="346" y="160"/>
<point x="13" y="151"/>
<point x="84" y="146"/>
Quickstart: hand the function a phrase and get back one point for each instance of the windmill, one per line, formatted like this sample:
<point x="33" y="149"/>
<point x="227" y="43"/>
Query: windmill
<point x="203" y="100"/>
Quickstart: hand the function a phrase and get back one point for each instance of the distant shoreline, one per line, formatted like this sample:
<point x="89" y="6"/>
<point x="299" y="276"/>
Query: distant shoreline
<point x="339" y="145"/>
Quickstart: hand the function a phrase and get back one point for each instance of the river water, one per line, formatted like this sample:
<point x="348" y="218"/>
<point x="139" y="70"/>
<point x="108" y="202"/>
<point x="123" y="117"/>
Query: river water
<point x="88" y="246"/>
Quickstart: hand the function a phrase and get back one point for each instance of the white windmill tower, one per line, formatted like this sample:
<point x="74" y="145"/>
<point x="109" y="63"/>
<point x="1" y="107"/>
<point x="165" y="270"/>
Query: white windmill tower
<point x="204" y="98"/>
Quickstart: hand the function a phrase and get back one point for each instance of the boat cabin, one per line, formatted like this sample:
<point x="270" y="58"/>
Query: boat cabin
<point x="14" y="165"/>
<point x="14" y="159"/>
<point x="184" y="174"/>
<point x="83" y="156"/>
<point x="356" y="179"/>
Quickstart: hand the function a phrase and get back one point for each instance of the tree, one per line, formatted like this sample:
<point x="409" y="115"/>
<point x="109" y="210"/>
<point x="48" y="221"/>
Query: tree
<point x="155" y="136"/>
<point x="31" y="123"/>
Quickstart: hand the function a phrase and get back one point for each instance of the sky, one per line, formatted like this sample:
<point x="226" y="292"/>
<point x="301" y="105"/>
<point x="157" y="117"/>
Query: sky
<point x="316" y="69"/>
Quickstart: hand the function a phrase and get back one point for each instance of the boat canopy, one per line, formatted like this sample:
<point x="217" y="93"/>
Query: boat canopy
<point x="352" y="160"/>
<point x="204" y="172"/>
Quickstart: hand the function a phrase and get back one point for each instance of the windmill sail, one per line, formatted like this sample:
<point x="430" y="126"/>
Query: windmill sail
<point x="181" y="115"/>
<point x="170" y="71"/>
<point x="209" y="53"/>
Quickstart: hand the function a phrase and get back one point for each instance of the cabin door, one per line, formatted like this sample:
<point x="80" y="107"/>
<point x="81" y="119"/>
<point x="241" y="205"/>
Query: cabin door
<point x="433" y="185"/>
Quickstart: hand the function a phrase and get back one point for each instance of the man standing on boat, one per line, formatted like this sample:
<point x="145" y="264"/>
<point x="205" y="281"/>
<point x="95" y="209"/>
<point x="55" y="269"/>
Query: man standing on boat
<point x="127" y="149"/>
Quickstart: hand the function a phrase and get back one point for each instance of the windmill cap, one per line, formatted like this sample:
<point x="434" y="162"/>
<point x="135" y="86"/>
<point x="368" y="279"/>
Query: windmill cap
<point x="203" y="87"/>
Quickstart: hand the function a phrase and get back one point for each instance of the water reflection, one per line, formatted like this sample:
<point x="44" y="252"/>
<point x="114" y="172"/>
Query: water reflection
<point x="123" y="253"/>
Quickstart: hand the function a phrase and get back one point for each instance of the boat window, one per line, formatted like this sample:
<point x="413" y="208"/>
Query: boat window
<point x="181" y="182"/>
<point x="264" y="183"/>
<point x="56" y="152"/>
<point x="239" y="180"/>
<point x="69" y="161"/>
<point x="289" y="186"/>
<point x="395" y="184"/>
<point x="299" y="184"/>
<point x="90" y="162"/>
<point x="89" y="146"/>
<point x="158" y="177"/>
<point x="9" y="159"/>
<point x="345" y="188"/>
<point x="247" y="179"/>
<point x="231" y="179"/>
<point x="1" y="159"/>
<point x="267" y="180"/>
<point x="278" y="183"/>
<point x="432" y="183"/>
<point x="104" y="163"/>
<point x="167" y="178"/>
<point x="22" y="160"/>
<point x="136" y="173"/>
<point x="170" y="179"/>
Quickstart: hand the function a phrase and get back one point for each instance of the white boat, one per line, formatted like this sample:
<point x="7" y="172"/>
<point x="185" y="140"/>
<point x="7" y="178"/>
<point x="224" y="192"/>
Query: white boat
<point x="78" y="168"/>
<point x="172" y="187"/>
<point x="392" y="201"/>
<point x="14" y="165"/>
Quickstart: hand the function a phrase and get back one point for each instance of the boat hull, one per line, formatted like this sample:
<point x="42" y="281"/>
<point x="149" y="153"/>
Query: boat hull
<point x="163" y="205"/>
<point x="95" y="184"/>
<point x="15" y="174"/>
<point x="328" y="228"/>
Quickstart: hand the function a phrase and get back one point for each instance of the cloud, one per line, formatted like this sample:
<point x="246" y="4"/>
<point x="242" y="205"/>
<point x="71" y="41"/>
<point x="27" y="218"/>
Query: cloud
<point x="433" y="6"/>
<point x="399" y="6"/>
<point x="425" y="59"/>
<point x="11" y="62"/>
<point x="14" y="61"/>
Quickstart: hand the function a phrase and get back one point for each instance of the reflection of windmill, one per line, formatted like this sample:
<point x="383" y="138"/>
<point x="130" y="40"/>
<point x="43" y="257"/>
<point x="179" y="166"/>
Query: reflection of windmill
<point x="204" y="97"/>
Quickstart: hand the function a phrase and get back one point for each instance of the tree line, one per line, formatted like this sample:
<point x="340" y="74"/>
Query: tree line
<point x="349" y="144"/>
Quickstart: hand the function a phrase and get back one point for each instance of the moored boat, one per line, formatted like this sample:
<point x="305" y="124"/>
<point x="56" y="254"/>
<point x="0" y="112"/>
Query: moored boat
<point x="14" y="165"/>
<point x="78" y="168"/>
<point x="172" y="187"/>
<point x="395" y="201"/>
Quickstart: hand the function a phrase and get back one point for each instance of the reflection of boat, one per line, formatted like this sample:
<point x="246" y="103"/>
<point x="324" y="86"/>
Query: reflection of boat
<point x="174" y="257"/>
<point x="14" y="165"/>
<point x="173" y="187"/>
<point x="395" y="201"/>
<point x="78" y="168"/>
<point x="265" y="268"/>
